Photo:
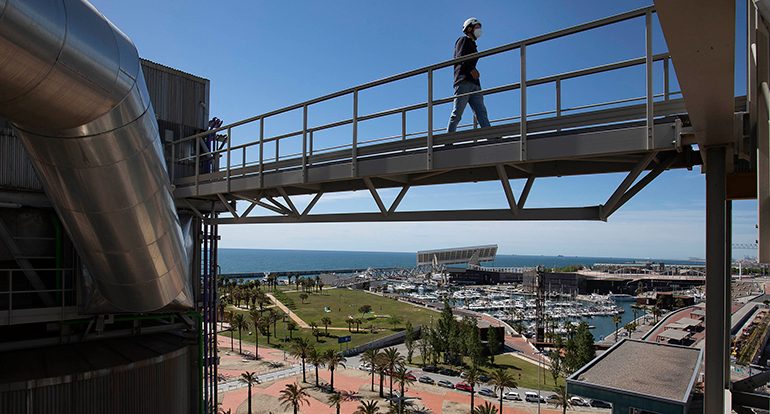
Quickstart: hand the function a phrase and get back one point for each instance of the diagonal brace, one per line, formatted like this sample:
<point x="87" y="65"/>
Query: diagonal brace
<point x="630" y="178"/>
<point x="398" y="199"/>
<point x="227" y="205"/>
<point x="312" y="204"/>
<point x="288" y="202"/>
<point x="256" y="201"/>
<point x="507" y="188"/>
<point x="666" y="164"/>
<point x="376" y="196"/>
<point x="525" y="191"/>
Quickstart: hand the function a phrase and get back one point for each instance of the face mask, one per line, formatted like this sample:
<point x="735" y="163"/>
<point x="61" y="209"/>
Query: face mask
<point x="477" y="33"/>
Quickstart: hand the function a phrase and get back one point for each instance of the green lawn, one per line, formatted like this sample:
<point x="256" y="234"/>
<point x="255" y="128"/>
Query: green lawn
<point x="526" y="370"/>
<point x="342" y="302"/>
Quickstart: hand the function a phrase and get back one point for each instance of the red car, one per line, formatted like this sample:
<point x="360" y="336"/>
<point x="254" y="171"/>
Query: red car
<point x="463" y="386"/>
<point x="411" y="377"/>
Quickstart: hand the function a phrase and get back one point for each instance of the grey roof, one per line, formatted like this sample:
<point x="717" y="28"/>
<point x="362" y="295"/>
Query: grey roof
<point x="699" y="312"/>
<point x="689" y="321"/>
<point x="649" y="369"/>
<point x="458" y="255"/>
<point x="674" y="334"/>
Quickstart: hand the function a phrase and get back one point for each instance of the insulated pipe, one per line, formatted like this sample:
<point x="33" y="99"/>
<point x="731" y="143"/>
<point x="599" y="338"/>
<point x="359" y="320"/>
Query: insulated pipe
<point x="72" y="86"/>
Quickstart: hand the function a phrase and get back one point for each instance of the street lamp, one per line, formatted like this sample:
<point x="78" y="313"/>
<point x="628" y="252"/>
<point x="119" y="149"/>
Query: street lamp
<point x="539" y="365"/>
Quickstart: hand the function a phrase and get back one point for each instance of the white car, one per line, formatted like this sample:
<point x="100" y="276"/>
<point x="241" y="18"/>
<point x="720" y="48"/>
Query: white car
<point x="579" y="402"/>
<point x="365" y="367"/>
<point x="512" y="396"/>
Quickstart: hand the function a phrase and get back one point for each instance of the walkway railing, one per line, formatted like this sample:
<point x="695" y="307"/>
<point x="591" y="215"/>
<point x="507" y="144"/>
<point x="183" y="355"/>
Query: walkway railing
<point x="251" y="159"/>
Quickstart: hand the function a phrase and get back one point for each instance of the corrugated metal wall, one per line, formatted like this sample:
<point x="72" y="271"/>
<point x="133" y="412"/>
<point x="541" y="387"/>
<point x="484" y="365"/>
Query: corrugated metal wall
<point x="160" y="385"/>
<point x="16" y="170"/>
<point x="176" y="96"/>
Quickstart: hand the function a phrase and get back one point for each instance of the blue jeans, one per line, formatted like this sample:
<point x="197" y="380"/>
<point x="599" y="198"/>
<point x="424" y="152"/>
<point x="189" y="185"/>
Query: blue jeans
<point x="477" y="106"/>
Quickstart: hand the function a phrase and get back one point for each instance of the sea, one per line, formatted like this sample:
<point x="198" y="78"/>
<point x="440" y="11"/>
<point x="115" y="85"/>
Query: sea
<point x="272" y="260"/>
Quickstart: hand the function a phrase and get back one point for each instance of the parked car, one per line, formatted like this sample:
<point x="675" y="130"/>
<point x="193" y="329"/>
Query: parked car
<point x="463" y="374"/>
<point x="484" y="378"/>
<point x="445" y="383"/>
<point x="512" y="396"/>
<point x="487" y="392"/>
<point x="426" y="380"/>
<point x="449" y="372"/>
<point x="463" y="386"/>
<point x="600" y="404"/>
<point x="365" y="367"/>
<point x="551" y="399"/>
<point x="411" y="376"/>
<point x="579" y="402"/>
<point x="430" y="368"/>
<point x="533" y="397"/>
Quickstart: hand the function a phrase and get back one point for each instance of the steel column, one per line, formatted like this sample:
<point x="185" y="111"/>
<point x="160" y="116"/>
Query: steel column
<point x="716" y="193"/>
<point x="648" y="77"/>
<point x="429" y="152"/>
<point x="354" y="154"/>
<point x="523" y="103"/>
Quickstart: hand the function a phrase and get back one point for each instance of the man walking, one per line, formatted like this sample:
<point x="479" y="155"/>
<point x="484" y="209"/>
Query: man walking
<point x="466" y="78"/>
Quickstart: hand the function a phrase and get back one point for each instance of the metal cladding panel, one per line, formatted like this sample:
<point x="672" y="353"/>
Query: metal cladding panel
<point x="176" y="96"/>
<point x="16" y="170"/>
<point x="157" y="386"/>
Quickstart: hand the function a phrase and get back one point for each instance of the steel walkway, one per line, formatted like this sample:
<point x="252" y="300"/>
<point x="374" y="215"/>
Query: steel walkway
<point x="624" y="136"/>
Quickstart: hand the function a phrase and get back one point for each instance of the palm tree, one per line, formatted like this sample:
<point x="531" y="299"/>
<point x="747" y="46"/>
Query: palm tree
<point x="472" y="379"/>
<point x="314" y="329"/>
<point x="367" y="407"/>
<point x="402" y="379"/>
<point x="256" y="320"/>
<point x="332" y="361"/>
<point x="656" y="312"/>
<point x="303" y="296"/>
<point x="337" y="398"/>
<point x="291" y="326"/>
<point x="370" y="357"/>
<point x="326" y="321"/>
<point x="294" y="395"/>
<point x="487" y="408"/>
<point x="250" y="378"/>
<point x="617" y="319"/>
<point x="502" y="379"/>
<point x="393" y="360"/>
<point x="350" y="324"/>
<point x="381" y="365"/>
<point x="300" y="349"/>
<point x="240" y="323"/>
<point x="315" y="358"/>
<point x="561" y="398"/>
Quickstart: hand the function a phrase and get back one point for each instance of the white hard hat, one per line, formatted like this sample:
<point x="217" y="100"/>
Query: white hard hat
<point x="470" y="22"/>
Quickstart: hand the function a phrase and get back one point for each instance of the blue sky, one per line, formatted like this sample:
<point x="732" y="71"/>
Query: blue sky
<point x="261" y="56"/>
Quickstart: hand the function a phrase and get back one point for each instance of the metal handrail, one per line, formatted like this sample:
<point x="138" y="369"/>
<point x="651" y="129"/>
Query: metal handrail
<point x="307" y="132"/>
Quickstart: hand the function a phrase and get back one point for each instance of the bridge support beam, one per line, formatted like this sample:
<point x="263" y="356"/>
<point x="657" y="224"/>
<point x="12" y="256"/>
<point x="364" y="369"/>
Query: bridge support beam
<point x="717" y="283"/>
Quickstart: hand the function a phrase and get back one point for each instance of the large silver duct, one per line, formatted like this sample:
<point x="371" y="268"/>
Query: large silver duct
<point x="72" y="85"/>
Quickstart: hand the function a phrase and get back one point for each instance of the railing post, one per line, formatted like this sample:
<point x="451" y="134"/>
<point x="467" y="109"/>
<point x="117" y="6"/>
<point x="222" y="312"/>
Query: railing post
<point x="523" y="94"/>
<point x="197" y="163"/>
<point x="261" y="152"/>
<point x="650" y="112"/>
<point x="666" y="91"/>
<point x="310" y="149"/>
<point x="354" y="155"/>
<point x="429" y="152"/>
<point x="229" y="140"/>
<point x="304" y="143"/>
<point x="558" y="100"/>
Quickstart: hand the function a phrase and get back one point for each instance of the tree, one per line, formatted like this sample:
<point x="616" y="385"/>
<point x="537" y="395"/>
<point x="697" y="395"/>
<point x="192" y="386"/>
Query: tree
<point x="502" y="379"/>
<point x="487" y="408"/>
<point x="424" y="344"/>
<point x="314" y="329"/>
<point x="492" y="343"/>
<point x="326" y="321"/>
<point x="365" y="309"/>
<point x="394" y="360"/>
<point x="300" y="349"/>
<point x="370" y="357"/>
<point x="358" y="322"/>
<point x="561" y="398"/>
<point x="395" y="321"/>
<point x="630" y="327"/>
<point x="472" y="379"/>
<point x="656" y="312"/>
<point x="617" y="319"/>
<point x="350" y="324"/>
<point x="240" y="323"/>
<point x="229" y="320"/>
<point x="256" y="321"/>
<point x="332" y="361"/>
<point x="446" y="336"/>
<point x="303" y="296"/>
<point x="579" y="350"/>
<point x="249" y="378"/>
<point x="381" y="365"/>
<point x="294" y="396"/>
<point x="679" y="302"/>
<point x="402" y="379"/>
<point x="317" y="359"/>
<point x="367" y="407"/>
<point x="291" y="326"/>
<point x="556" y="359"/>
<point x="337" y="398"/>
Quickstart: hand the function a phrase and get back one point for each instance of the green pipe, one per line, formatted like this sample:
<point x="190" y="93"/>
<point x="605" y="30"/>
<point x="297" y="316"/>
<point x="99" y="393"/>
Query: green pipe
<point x="57" y="227"/>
